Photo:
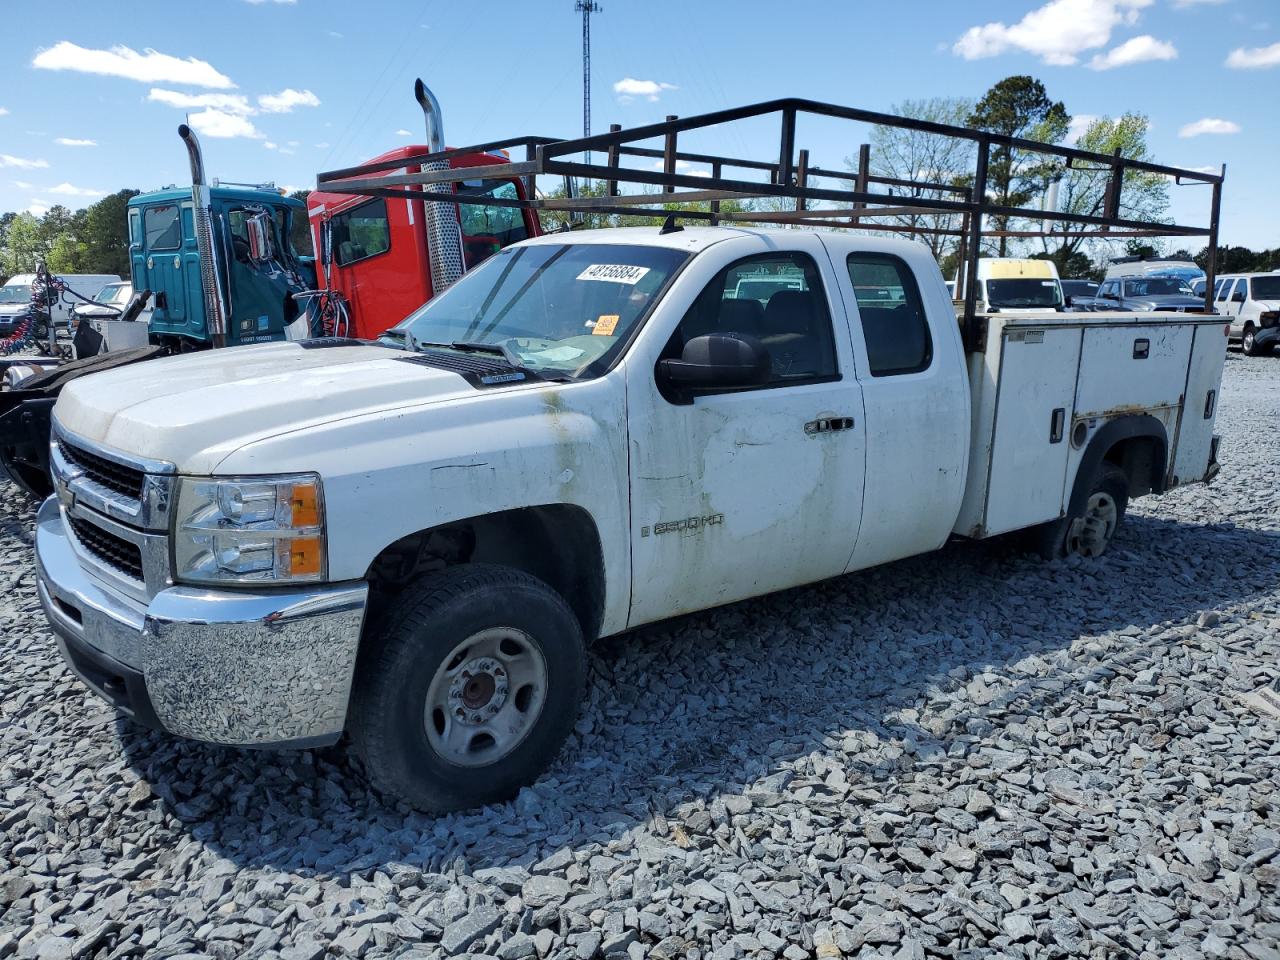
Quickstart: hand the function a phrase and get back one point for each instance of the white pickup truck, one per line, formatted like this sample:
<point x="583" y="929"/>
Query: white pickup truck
<point x="411" y="541"/>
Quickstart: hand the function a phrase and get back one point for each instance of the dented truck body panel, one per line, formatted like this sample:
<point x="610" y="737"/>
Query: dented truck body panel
<point x="698" y="500"/>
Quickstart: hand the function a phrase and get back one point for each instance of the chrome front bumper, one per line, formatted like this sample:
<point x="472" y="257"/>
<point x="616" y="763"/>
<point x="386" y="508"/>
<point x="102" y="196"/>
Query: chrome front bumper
<point x="269" y="668"/>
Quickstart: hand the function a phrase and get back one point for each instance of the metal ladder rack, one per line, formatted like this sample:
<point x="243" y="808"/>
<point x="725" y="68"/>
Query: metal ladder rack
<point x="791" y="177"/>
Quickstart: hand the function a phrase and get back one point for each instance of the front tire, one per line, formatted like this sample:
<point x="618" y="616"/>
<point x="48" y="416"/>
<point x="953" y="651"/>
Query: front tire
<point x="470" y="690"/>
<point x="1249" y="341"/>
<point x="1089" y="532"/>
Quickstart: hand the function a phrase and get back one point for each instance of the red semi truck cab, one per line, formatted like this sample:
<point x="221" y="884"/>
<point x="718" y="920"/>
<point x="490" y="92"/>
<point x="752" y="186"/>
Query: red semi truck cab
<point x="379" y="249"/>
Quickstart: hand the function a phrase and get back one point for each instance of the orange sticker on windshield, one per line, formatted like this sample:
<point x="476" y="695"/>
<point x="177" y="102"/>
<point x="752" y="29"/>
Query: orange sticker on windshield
<point x="605" y="324"/>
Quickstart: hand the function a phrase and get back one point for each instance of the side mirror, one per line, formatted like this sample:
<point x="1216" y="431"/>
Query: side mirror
<point x="261" y="246"/>
<point x="718" y="361"/>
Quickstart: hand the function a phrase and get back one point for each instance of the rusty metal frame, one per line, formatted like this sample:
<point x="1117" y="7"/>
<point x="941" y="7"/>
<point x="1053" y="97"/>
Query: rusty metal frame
<point x="789" y="177"/>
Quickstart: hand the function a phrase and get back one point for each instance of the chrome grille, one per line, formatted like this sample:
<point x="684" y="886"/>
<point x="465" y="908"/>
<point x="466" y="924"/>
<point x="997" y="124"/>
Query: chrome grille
<point x="114" y="551"/>
<point x="123" y="480"/>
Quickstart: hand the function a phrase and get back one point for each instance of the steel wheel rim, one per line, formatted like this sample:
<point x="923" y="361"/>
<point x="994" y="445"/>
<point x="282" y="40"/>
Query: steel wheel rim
<point x="485" y="697"/>
<point x="1248" y="339"/>
<point x="1091" y="532"/>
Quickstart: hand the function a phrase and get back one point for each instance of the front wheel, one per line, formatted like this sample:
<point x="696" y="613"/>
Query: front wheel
<point x="470" y="691"/>
<point x="1249" y="341"/>
<point x="1088" y="532"/>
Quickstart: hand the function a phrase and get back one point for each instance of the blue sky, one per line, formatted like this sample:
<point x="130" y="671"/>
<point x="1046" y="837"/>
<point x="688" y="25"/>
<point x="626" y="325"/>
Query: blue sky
<point x="285" y="89"/>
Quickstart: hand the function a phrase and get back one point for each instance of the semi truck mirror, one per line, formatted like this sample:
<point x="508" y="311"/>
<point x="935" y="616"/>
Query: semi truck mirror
<point x="258" y="228"/>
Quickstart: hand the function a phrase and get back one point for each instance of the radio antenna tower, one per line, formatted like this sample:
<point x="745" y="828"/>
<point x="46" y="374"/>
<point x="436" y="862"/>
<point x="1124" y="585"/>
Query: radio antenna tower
<point x="586" y="8"/>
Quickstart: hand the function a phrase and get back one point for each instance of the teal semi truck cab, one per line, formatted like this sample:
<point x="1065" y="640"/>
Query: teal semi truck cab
<point x="253" y="232"/>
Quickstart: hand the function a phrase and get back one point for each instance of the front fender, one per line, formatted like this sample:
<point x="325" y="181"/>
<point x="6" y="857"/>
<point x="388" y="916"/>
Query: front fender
<point x="393" y="473"/>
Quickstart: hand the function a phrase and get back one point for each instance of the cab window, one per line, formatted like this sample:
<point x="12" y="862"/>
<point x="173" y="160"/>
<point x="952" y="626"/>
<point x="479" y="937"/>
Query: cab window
<point x="361" y="232"/>
<point x="776" y="298"/>
<point x="894" y="326"/>
<point x="1224" y="288"/>
<point x="163" y="227"/>
<point x="486" y="229"/>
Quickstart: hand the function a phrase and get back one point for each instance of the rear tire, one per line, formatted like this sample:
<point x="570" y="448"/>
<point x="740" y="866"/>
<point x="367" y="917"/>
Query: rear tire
<point x="470" y="690"/>
<point x="1089" y="532"/>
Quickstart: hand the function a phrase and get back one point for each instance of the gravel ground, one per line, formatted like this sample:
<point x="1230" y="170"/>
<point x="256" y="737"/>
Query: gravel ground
<point x="965" y="755"/>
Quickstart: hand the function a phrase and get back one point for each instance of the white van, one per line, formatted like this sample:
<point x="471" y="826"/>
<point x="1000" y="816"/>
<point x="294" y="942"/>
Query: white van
<point x="15" y="297"/>
<point x="1252" y="301"/>
<point x="1014" y="285"/>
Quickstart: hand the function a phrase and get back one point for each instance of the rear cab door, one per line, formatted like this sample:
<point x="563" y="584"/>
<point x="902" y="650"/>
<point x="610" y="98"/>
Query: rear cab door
<point x="910" y="360"/>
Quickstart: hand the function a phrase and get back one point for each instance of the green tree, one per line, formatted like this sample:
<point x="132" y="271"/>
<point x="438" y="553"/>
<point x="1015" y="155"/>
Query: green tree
<point x="916" y="155"/>
<point x="1018" y="107"/>
<point x="24" y="245"/>
<point x="105" y="234"/>
<point x="1083" y="190"/>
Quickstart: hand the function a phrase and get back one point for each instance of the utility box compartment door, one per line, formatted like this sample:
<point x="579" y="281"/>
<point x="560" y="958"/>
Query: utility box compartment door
<point x="1030" y="442"/>
<point x="1204" y="383"/>
<point x="1126" y="368"/>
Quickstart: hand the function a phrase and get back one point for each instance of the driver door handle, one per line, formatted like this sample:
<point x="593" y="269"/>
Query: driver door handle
<point x="828" y="425"/>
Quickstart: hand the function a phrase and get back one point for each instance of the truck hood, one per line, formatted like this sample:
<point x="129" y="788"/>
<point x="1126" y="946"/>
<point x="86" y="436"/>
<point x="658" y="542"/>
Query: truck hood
<point x="194" y="410"/>
<point x="14" y="309"/>
<point x="1170" y="301"/>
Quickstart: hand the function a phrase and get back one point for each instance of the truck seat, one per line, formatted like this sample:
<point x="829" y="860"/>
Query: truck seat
<point x="894" y="336"/>
<point x="741" y="316"/>
<point x="789" y="332"/>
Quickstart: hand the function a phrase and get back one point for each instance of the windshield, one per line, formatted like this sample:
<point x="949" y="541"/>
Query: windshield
<point x="1155" y="287"/>
<point x="15" y="293"/>
<point x="1023" y="293"/>
<point x="114" y="293"/>
<point x="1265" y="288"/>
<point x="561" y="310"/>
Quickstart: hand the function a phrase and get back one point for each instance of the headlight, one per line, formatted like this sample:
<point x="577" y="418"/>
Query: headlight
<point x="251" y="530"/>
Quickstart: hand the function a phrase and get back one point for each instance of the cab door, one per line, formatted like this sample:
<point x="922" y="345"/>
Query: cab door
<point x="739" y="493"/>
<point x="167" y="263"/>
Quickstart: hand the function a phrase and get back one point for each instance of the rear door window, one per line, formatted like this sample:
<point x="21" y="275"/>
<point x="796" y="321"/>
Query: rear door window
<point x="894" y="326"/>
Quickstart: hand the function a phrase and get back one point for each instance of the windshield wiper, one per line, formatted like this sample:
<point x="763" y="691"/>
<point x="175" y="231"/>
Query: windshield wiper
<point x="498" y="349"/>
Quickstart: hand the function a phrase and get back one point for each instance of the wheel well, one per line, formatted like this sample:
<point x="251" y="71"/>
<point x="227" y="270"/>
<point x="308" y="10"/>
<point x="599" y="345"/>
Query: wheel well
<point x="557" y="543"/>
<point x="1142" y="460"/>
<point x="1137" y="444"/>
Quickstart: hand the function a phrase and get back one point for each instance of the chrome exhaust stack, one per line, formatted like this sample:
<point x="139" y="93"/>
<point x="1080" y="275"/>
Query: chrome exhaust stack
<point x="444" y="235"/>
<point x="217" y="311"/>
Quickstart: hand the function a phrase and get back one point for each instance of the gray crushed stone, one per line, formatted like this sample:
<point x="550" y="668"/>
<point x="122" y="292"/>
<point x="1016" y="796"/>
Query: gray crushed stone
<point x="967" y="755"/>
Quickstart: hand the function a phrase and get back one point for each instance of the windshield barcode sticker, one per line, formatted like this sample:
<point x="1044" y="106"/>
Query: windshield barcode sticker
<point x="614" y="273"/>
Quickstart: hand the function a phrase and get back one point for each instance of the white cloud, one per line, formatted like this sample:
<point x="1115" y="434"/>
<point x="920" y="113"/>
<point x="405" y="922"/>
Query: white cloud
<point x="269" y="145"/>
<point x="4" y="111"/>
<point x="322" y="145"/>
<point x="217" y="123"/>
<point x="21" y="163"/>
<point x="684" y="167"/>
<point x="1209" y="125"/>
<point x="628" y="88"/>
<point x="1057" y="32"/>
<point x="150" y="66"/>
<point x="402" y="132"/>
<point x="226" y="102"/>
<point x="1080" y="123"/>
<point x="1256" y="58"/>
<point x="22" y="184"/>
<point x="70" y="190"/>
<point x="1134" y="50"/>
<point x="286" y="100"/>
<point x="73" y="142"/>
<point x="37" y="208"/>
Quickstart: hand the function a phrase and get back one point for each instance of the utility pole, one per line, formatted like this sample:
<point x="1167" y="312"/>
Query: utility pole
<point x="586" y="8"/>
